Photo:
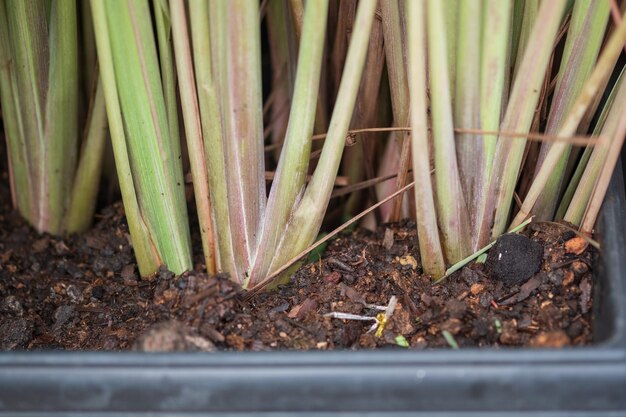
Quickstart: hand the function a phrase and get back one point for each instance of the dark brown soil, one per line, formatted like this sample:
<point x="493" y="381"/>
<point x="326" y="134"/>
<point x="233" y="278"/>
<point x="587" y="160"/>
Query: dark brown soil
<point x="84" y="293"/>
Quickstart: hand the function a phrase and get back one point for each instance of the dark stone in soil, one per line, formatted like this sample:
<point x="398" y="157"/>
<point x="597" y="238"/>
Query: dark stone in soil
<point x="514" y="259"/>
<point x="15" y="333"/>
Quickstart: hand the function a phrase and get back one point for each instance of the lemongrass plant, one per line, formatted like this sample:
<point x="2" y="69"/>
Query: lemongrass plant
<point x="217" y="55"/>
<point x="467" y="83"/>
<point x="53" y="185"/>
<point x="518" y="44"/>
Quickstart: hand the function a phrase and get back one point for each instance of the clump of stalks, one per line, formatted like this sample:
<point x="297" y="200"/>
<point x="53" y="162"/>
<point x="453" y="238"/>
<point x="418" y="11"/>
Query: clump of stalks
<point x="53" y="184"/>
<point x="481" y="106"/>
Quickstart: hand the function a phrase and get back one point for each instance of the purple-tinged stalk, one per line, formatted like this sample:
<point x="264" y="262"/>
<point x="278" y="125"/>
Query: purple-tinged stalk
<point x="470" y="149"/>
<point x="236" y="65"/>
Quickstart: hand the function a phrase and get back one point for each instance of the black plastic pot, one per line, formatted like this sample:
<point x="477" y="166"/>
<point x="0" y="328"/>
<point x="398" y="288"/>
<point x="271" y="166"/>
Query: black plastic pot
<point x="577" y="381"/>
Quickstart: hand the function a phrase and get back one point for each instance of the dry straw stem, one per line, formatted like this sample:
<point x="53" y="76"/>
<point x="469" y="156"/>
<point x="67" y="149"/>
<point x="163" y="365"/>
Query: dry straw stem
<point x="395" y="47"/>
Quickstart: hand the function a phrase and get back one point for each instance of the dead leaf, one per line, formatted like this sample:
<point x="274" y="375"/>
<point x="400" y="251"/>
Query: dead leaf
<point x="408" y="260"/>
<point x="388" y="239"/>
<point x="576" y="245"/>
<point x="41" y="245"/>
<point x="477" y="288"/>
<point x="334" y="277"/>
<point x="352" y="294"/>
<point x="301" y="309"/>
<point x="568" y="278"/>
<point x="555" y="339"/>
<point x="524" y="291"/>
<point x="585" y="295"/>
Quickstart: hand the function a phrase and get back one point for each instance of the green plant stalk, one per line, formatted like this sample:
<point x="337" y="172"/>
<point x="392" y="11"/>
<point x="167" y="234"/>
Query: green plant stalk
<point x="451" y="205"/>
<point x="193" y="131"/>
<point x="296" y="8"/>
<point x="584" y="159"/>
<point x="163" y="23"/>
<point x="584" y="190"/>
<point x="290" y="177"/>
<point x="61" y="123"/>
<point x="17" y="148"/>
<point x="518" y="118"/>
<point x="87" y="179"/>
<point x="575" y="114"/>
<point x="517" y="18"/>
<point x="156" y="167"/>
<point x="47" y="83"/>
<point x="237" y="64"/>
<point x="307" y="217"/>
<point x="451" y="25"/>
<point x="426" y="215"/>
<point x="495" y="73"/>
<point x="146" y="253"/>
<point x="584" y="37"/>
<point x="87" y="49"/>
<point x="470" y="149"/>
<point x="212" y="134"/>
<point x="527" y="23"/>
<point x="283" y="61"/>
<point x="398" y="85"/>
<point x="154" y="154"/>
<point x="493" y="68"/>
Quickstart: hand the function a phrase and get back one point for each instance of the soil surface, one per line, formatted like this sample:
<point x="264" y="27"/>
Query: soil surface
<point x="84" y="293"/>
